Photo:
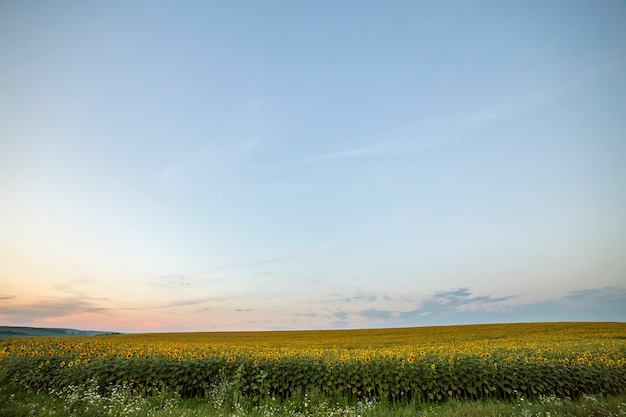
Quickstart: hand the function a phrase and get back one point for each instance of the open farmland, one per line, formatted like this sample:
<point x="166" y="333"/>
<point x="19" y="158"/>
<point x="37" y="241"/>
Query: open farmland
<point x="424" y="364"/>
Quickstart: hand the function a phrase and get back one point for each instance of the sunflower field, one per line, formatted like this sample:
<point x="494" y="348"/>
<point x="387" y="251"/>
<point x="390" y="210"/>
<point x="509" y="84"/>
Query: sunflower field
<point x="423" y="364"/>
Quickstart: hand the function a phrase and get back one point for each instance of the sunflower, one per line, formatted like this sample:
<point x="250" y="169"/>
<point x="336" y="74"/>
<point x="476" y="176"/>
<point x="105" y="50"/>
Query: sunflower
<point x="62" y="364"/>
<point x="230" y="359"/>
<point x="70" y="364"/>
<point x="255" y="362"/>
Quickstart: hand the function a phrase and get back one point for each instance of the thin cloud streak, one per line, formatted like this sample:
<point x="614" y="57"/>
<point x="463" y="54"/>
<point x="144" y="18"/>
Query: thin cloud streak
<point x="194" y="301"/>
<point x="260" y="262"/>
<point x="209" y="155"/>
<point x="70" y="288"/>
<point x="443" y="137"/>
<point x="347" y="154"/>
<point x="183" y="279"/>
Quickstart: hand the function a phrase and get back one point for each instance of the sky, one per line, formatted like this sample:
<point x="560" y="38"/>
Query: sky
<point x="247" y="165"/>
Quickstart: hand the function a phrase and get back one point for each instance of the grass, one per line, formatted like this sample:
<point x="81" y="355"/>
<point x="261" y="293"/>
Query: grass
<point x="93" y="401"/>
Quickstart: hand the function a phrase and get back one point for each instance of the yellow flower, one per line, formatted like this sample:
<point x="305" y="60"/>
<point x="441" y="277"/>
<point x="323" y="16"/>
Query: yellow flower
<point x="230" y="359"/>
<point x="432" y="366"/>
<point x="256" y="362"/>
<point x="62" y="364"/>
<point x="70" y="364"/>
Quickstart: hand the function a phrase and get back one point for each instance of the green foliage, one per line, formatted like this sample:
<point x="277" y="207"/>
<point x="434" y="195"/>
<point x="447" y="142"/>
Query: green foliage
<point x="427" y="380"/>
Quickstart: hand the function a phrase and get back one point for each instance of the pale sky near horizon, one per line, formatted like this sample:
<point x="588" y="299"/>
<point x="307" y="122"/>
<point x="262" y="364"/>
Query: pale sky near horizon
<point x="247" y="165"/>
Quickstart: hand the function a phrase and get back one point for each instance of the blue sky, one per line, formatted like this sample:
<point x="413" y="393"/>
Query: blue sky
<point x="247" y="165"/>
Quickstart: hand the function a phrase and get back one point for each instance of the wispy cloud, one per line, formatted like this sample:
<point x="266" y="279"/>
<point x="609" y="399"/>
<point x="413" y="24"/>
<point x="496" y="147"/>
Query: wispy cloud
<point x="7" y="297"/>
<point x="25" y="314"/>
<point x="413" y="144"/>
<point x="370" y="150"/>
<point x="602" y="295"/>
<point x="260" y="262"/>
<point x="370" y="297"/>
<point x="456" y="300"/>
<point x="212" y="153"/>
<point x="171" y="173"/>
<point x="447" y="131"/>
<point x="341" y="315"/>
<point x="189" y="302"/>
<point x="188" y="279"/>
<point x="175" y="280"/>
<point x="461" y="306"/>
<point x="438" y="305"/>
<point x="373" y="313"/>
<point x="98" y="309"/>
<point x="73" y="288"/>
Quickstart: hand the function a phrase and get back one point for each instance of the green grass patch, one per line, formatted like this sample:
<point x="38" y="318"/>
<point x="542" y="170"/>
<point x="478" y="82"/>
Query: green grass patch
<point x="224" y="401"/>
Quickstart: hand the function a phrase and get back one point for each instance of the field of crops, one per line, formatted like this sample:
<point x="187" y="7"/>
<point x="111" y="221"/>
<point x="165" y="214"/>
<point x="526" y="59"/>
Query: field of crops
<point x="424" y="364"/>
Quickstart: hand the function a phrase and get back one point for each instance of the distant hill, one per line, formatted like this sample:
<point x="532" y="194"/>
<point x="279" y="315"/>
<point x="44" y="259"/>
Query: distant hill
<point x="17" y="331"/>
